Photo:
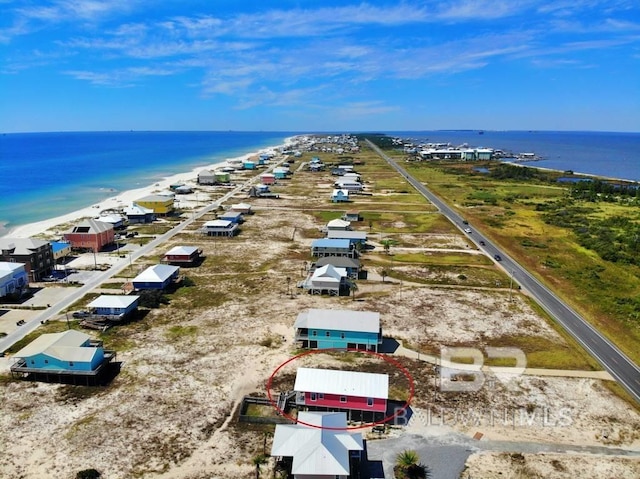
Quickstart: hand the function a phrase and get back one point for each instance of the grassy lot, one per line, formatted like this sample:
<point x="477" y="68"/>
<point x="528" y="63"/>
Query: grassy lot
<point x="507" y="211"/>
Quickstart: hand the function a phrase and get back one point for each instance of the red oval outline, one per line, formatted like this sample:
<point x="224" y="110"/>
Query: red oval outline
<point x="385" y="357"/>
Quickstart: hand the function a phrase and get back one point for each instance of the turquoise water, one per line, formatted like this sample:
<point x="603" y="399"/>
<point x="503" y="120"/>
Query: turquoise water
<point x="44" y="175"/>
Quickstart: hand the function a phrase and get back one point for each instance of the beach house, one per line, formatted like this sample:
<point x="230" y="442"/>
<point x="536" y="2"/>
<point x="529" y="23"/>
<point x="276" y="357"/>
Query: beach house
<point x="329" y="280"/>
<point x="91" y="235"/>
<point x="352" y="216"/>
<point x="35" y="254"/>
<point x="244" y="208"/>
<point x="354" y="237"/>
<point x="161" y="205"/>
<point x="14" y="280"/>
<point x="137" y="214"/>
<point x="267" y="179"/>
<point x="338" y="224"/>
<point x="183" y="256"/>
<point x="337" y="390"/>
<point x="159" y="276"/>
<point x="338" y="329"/>
<point x="222" y="176"/>
<point x="220" y="228"/>
<point x="319" y="446"/>
<point x="206" y="177"/>
<point x="114" y="307"/>
<point x="333" y="247"/>
<point x="67" y="357"/>
<point x="340" y="195"/>
<point x="351" y="265"/>
<point x="115" y="220"/>
<point x="231" y="215"/>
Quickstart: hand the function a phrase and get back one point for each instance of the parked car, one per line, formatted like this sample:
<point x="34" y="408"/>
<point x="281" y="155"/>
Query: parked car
<point x="497" y="257"/>
<point x="81" y="314"/>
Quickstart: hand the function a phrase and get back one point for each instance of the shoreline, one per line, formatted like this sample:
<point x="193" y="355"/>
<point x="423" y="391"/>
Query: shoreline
<point x="574" y="173"/>
<point x="127" y="197"/>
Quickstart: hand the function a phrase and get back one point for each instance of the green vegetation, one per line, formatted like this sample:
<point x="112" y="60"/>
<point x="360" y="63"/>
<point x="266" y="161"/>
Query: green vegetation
<point x="581" y="239"/>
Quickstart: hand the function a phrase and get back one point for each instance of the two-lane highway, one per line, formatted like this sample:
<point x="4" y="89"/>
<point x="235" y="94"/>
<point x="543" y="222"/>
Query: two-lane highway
<point x="604" y="351"/>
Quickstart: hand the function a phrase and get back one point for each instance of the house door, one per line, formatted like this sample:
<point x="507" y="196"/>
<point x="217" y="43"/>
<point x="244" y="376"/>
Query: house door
<point x="313" y="344"/>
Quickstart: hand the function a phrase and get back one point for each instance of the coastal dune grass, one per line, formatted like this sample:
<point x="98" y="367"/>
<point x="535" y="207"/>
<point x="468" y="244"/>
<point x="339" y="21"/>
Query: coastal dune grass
<point x="599" y="290"/>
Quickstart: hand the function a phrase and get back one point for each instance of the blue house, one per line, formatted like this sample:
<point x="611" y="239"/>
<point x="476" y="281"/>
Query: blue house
<point x="14" y="280"/>
<point x="70" y="356"/>
<point x="281" y="173"/>
<point x="249" y="165"/>
<point x="159" y="276"/>
<point x="338" y="329"/>
<point x="340" y="196"/>
<point x="114" y="306"/>
<point x="235" y="217"/>
<point x="333" y="247"/>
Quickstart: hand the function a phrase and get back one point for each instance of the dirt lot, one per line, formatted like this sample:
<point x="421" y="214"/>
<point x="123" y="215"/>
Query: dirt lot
<point x="187" y="365"/>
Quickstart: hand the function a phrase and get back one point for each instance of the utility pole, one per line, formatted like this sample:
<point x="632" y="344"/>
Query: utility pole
<point x="511" y="286"/>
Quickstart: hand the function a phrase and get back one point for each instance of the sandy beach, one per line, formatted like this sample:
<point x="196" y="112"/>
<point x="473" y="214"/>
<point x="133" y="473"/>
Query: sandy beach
<point x="49" y="226"/>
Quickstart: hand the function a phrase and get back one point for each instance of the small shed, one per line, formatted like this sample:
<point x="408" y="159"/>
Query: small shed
<point x="352" y="215"/>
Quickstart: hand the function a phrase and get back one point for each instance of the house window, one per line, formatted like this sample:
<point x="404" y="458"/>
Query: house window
<point x="314" y="333"/>
<point x="71" y="363"/>
<point x="321" y="396"/>
<point x="46" y="361"/>
<point x="370" y="402"/>
<point x="328" y="334"/>
<point x="313" y="396"/>
<point x="33" y="362"/>
<point x="341" y="335"/>
<point x="343" y="398"/>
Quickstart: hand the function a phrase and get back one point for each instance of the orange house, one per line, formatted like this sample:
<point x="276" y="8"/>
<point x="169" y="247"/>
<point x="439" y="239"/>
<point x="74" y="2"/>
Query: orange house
<point x="90" y="234"/>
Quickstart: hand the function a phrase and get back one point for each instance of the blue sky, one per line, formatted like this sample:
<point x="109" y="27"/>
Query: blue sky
<point x="319" y="65"/>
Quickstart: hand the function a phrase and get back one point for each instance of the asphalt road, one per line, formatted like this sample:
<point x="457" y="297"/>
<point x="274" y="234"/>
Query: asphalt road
<point x="95" y="281"/>
<point x="625" y="371"/>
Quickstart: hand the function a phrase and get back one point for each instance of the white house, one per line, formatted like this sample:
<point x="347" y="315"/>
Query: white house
<point x="319" y="444"/>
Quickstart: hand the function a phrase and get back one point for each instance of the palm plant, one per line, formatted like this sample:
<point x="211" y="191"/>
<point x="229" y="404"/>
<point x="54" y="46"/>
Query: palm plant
<point x="408" y="467"/>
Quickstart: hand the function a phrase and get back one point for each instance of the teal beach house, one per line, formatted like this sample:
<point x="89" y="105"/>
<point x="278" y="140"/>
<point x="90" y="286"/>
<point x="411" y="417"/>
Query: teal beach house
<point x="338" y="329"/>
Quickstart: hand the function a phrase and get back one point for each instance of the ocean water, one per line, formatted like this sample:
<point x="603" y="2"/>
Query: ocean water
<point x="44" y="175"/>
<point x="614" y="155"/>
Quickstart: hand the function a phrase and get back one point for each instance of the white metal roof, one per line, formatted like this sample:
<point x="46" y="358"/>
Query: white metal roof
<point x="113" y="301"/>
<point x="218" y="224"/>
<point x="348" y="383"/>
<point x="135" y="209"/>
<point x="157" y="272"/>
<point x="317" y="451"/>
<point x="347" y="234"/>
<point x="329" y="272"/>
<point x="339" y="319"/>
<point x="66" y="346"/>
<point x="182" y="251"/>
<point x="7" y="266"/>
<point x="241" y="206"/>
<point x="338" y="223"/>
